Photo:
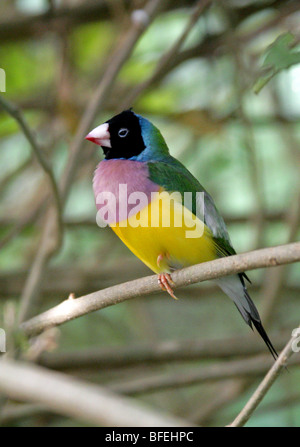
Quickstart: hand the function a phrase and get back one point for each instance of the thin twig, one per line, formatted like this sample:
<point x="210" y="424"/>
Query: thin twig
<point x="5" y="181"/>
<point x="167" y="57"/>
<point x="29" y="219"/>
<point x="17" y="26"/>
<point x="70" y="309"/>
<point x="15" y="113"/>
<point x="157" y="353"/>
<point x="145" y="383"/>
<point x="265" y="385"/>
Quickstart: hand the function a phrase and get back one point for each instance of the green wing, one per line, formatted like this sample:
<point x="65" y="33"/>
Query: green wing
<point x="173" y="176"/>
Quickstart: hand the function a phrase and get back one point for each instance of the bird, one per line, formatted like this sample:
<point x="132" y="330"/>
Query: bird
<point x="139" y="189"/>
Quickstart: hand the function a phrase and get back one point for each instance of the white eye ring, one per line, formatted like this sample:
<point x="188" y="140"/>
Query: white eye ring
<point x="123" y="132"/>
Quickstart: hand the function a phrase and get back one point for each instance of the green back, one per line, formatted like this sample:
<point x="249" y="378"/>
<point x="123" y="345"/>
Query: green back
<point x="173" y="176"/>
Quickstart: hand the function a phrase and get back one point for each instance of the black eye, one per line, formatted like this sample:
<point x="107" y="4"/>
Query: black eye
<point x="123" y="132"/>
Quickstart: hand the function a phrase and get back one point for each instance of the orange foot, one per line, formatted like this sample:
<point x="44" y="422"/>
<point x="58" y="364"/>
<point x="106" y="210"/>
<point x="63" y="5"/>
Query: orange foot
<point x="164" y="280"/>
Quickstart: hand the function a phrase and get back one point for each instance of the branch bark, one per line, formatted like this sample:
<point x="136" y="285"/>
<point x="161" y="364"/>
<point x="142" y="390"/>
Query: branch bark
<point x="74" y="308"/>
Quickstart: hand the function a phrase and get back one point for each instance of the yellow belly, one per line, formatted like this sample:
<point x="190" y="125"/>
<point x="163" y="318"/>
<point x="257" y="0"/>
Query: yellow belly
<point x="167" y="230"/>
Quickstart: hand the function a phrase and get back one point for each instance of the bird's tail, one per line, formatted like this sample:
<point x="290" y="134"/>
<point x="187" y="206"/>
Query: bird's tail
<point x="234" y="286"/>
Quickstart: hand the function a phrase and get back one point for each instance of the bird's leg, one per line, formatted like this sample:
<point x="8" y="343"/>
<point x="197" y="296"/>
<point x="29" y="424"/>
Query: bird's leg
<point x="165" y="281"/>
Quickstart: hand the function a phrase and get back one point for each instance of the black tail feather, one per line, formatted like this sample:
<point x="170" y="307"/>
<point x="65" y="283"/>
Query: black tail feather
<point x="234" y="286"/>
<point x="260" y="329"/>
<point x="254" y="318"/>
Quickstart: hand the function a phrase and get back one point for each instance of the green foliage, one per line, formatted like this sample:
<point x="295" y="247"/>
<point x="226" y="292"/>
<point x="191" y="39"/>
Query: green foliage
<point x="280" y="55"/>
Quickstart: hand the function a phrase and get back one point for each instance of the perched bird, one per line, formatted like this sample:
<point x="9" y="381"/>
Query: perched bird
<point x="134" y="188"/>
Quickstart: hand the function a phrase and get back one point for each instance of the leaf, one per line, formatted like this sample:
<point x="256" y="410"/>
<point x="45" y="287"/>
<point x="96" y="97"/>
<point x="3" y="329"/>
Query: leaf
<point x="278" y="56"/>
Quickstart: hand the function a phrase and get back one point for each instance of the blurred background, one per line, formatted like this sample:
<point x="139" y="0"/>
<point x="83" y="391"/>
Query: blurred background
<point x="221" y="80"/>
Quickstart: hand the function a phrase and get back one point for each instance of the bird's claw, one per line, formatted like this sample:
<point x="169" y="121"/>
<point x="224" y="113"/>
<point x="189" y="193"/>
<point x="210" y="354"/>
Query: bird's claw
<point x="165" y="281"/>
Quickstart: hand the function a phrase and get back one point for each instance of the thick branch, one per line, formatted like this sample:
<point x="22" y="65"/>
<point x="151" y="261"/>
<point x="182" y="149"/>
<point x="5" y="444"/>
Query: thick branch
<point x="75" y="398"/>
<point x="70" y="309"/>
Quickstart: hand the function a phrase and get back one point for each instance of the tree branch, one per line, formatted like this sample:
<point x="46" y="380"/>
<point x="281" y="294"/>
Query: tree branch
<point x="22" y="27"/>
<point x="15" y="113"/>
<point x="149" y="383"/>
<point x="77" y="399"/>
<point x="167" y="57"/>
<point x="70" y="309"/>
<point x="265" y="385"/>
<point x="152" y="354"/>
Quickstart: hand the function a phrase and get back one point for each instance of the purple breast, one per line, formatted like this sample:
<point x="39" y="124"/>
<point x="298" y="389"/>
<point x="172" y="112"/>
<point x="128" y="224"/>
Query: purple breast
<point x="121" y="188"/>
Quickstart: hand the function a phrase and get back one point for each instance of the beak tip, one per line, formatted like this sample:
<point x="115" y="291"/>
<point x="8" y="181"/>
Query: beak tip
<point x="91" y="138"/>
<point x="100" y="135"/>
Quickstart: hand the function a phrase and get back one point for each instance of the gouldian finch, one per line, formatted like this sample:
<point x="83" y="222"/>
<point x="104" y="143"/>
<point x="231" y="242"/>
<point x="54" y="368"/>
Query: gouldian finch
<point x="140" y="190"/>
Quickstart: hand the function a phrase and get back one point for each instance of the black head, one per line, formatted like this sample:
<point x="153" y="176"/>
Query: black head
<point x="119" y="137"/>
